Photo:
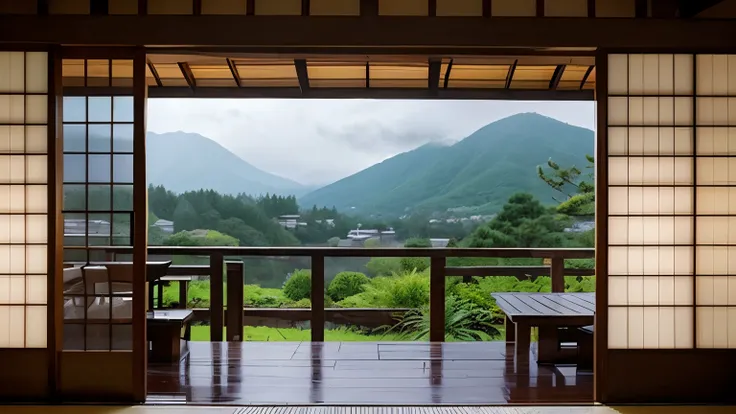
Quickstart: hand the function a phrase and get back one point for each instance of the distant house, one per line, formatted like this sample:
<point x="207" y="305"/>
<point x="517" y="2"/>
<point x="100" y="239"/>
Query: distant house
<point x="291" y="221"/>
<point x="90" y="227"/>
<point x="437" y="243"/>
<point x="328" y="222"/>
<point x="166" y="226"/>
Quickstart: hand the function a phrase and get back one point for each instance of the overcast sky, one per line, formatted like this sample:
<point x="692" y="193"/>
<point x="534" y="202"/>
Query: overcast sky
<point x="316" y="142"/>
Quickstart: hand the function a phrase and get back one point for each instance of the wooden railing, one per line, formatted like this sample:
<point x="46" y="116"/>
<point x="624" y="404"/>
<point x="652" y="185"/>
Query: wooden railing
<point x="233" y="316"/>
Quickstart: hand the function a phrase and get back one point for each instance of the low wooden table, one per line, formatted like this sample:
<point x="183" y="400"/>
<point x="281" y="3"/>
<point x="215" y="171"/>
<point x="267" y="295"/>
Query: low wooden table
<point x="547" y="311"/>
<point x="168" y="331"/>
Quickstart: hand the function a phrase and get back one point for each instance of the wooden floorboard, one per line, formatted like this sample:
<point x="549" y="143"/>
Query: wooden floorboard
<point x="359" y="373"/>
<point x="149" y="409"/>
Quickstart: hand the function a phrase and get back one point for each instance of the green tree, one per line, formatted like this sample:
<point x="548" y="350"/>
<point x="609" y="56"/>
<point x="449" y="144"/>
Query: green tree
<point x="299" y="285"/>
<point x="347" y="284"/>
<point x="576" y="187"/>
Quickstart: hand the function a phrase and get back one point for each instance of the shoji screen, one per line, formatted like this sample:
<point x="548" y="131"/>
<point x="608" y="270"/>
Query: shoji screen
<point x="23" y="199"/>
<point x="672" y="201"/>
<point x="651" y="201"/>
<point x="715" y="193"/>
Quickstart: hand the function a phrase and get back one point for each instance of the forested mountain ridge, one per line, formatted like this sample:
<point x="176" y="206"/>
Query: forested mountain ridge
<point x="483" y="169"/>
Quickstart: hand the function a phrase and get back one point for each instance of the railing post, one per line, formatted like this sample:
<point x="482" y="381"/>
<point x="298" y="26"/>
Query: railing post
<point x="216" y="296"/>
<point x="318" y="298"/>
<point x="234" y="312"/>
<point x="437" y="299"/>
<point x="160" y="294"/>
<point x="557" y="274"/>
<point x="183" y="286"/>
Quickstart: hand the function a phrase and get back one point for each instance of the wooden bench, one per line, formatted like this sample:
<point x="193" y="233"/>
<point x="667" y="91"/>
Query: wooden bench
<point x="169" y="332"/>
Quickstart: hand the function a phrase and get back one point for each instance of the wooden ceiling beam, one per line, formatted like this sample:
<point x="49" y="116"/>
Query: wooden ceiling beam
<point x="557" y="77"/>
<point x="302" y="74"/>
<point x="154" y="72"/>
<point x="365" y="93"/>
<point x="510" y="74"/>
<point x="273" y="32"/>
<point x="447" y="74"/>
<point x="691" y="8"/>
<point x="368" y="8"/>
<point x="234" y="71"/>
<point x="433" y="79"/>
<point x="306" y="7"/>
<point x="586" y="76"/>
<point x="188" y="75"/>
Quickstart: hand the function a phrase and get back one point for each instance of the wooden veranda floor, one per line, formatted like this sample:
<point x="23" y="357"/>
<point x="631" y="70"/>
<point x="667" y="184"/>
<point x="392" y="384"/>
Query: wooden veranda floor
<point x="362" y="373"/>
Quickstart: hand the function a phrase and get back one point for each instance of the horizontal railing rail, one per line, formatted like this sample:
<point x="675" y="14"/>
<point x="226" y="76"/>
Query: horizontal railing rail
<point x="234" y="317"/>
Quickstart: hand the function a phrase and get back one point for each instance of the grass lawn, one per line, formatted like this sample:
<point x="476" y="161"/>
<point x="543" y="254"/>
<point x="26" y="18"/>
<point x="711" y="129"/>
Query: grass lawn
<point x="266" y="334"/>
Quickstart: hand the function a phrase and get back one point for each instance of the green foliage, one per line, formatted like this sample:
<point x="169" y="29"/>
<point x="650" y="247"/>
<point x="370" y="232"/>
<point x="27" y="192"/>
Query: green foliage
<point x="372" y="243"/>
<point x="408" y="290"/>
<point x="304" y="303"/>
<point x="578" y="192"/>
<point x="333" y="241"/>
<point x="523" y="222"/>
<point x="464" y="321"/>
<point x="266" y="334"/>
<point x="275" y="206"/>
<point x="201" y="238"/>
<point x="259" y="297"/>
<point x="417" y="242"/>
<point x="347" y="284"/>
<point x="414" y="264"/>
<point x="578" y="205"/>
<point x="383" y="266"/>
<point x="299" y="285"/>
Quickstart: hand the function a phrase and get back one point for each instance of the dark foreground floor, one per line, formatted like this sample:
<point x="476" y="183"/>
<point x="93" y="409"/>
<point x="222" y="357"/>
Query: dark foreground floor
<point x="362" y="373"/>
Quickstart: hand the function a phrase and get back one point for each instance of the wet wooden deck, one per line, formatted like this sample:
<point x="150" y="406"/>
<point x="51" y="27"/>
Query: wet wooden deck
<point x="362" y="373"/>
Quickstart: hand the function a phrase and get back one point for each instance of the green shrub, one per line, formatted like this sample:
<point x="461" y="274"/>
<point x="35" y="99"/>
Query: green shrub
<point x="302" y="304"/>
<point x="383" y="266"/>
<point x="306" y="303"/>
<point x="299" y="285"/>
<point x="347" y="284"/>
<point x="414" y="264"/>
<point x="464" y="321"/>
<point x="406" y="290"/>
<point x="259" y="297"/>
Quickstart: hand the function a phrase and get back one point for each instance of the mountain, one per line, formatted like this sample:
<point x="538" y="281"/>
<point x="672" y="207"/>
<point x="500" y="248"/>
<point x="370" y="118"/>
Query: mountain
<point x="179" y="161"/>
<point x="483" y="169"/>
<point x="183" y="161"/>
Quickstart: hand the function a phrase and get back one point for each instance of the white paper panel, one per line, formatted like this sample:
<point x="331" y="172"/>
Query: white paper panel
<point x="618" y="321"/>
<point x="715" y="200"/>
<point x="716" y="171"/>
<point x="650" y="230"/>
<point x="12" y="289"/>
<point x="12" y="327"/>
<point x="716" y="230"/>
<point x="35" y="327"/>
<point x="650" y="260"/>
<point x="716" y="111"/>
<point x="684" y="75"/>
<point x="24" y="234"/>
<point x="617" y="75"/>
<point x="12" y="72"/>
<point x="716" y="141"/>
<point x="37" y="68"/>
